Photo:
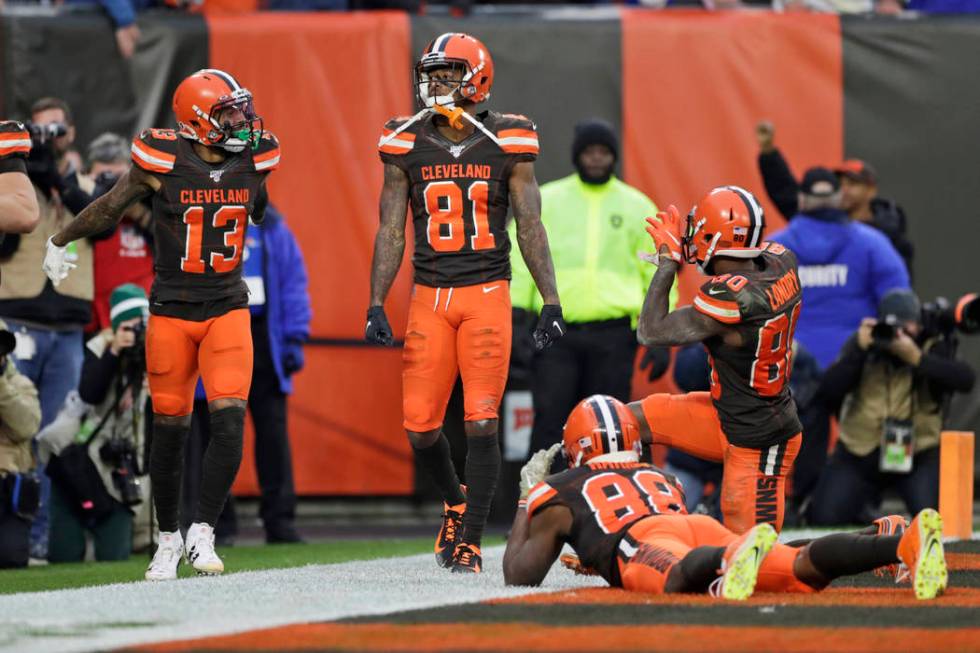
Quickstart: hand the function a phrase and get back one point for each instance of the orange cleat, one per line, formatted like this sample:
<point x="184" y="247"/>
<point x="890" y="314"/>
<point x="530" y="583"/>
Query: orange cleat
<point x="889" y="525"/>
<point x="921" y="549"/>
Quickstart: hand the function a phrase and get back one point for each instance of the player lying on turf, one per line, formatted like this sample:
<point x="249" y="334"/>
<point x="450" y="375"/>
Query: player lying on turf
<point x="627" y="521"/>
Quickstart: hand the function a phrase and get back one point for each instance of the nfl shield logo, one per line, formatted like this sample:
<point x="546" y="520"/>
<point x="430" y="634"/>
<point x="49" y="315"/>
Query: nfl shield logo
<point x="456" y="150"/>
<point x="216" y="176"/>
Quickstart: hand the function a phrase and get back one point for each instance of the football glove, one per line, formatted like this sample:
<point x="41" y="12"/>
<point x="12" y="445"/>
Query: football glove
<point x="657" y="359"/>
<point x="55" y="265"/>
<point x="551" y="326"/>
<point x="665" y="230"/>
<point x="572" y="562"/>
<point x="292" y="359"/>
<point x="537" y="468"/>
<point x="378" y="331"/>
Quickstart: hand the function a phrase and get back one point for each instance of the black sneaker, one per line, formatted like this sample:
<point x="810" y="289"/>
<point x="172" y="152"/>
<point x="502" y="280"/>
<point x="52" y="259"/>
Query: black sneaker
<point x="449" y="532"/>
<point x="283" y="534"/>
<point x="468" y="559"/>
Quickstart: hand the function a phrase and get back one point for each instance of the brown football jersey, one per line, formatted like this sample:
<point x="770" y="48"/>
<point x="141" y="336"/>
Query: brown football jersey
<point x="200" y="215"/>
<point x="605" y="500"/>
<point x="460" y="195"/>
<point x="749" y="385"/>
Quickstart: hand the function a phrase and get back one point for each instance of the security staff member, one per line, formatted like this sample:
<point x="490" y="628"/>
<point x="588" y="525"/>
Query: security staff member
<point x="595" y="226"/>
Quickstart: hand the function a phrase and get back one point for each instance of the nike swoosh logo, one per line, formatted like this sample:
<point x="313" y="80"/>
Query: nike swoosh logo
<point x="711" y="291"/>
<point x="558" y="326"/>
<point x="490" y="289"/>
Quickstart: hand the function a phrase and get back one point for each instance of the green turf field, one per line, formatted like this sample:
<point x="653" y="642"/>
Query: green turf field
<point x="243" y="558"/>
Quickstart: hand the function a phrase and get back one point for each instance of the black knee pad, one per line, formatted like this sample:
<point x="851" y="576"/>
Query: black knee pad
<point x="227" y="431"/>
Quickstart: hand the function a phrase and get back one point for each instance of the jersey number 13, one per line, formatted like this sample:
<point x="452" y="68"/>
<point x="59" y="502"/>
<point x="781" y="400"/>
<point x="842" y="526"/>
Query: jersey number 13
<point x="230" y="220"/>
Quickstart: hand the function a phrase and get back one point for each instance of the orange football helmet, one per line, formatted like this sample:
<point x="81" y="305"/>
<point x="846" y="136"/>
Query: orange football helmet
<point x="598" y="426"/>
<point x="454" y="49"/>
<point x="728" y="221"/>
<point x="199" y="101"/>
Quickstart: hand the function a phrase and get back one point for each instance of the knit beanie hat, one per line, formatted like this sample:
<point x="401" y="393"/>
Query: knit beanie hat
<point x="126" y="302"/>
<point x="594" y="132"/>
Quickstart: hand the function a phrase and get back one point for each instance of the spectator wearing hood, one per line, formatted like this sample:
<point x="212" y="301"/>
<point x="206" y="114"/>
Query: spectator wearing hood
<point x="596" y="230"/>
<point x="845" y="266"/>
<point x="859" y="193"/>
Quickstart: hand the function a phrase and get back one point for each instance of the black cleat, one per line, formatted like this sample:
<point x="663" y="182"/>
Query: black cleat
<point x="448" y="538"/>
<point x="468" y="559"/>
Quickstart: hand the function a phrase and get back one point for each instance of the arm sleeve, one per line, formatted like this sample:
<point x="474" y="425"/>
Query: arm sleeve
<point x="780" y="183"/>
<point x="944" y="373"/>
<point x="296" y="309"/>
<point x="843" y="375"/>
<point x="97" y="375"/>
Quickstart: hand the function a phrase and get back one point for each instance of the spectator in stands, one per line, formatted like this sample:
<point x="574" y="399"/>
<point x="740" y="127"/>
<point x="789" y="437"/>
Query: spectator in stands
<point x="845" y="266"/>
<point x="20" y="415"/>
<point x="48" y="321"/>
<point x="106" y="425"/>
<point x="123" y="254"/>
<point x="890" y="387"/>
<point x="280" y="305"/>
<point x="859" y="193"/>
<point x="596" y="231"/>
<point x="122" y="13"/>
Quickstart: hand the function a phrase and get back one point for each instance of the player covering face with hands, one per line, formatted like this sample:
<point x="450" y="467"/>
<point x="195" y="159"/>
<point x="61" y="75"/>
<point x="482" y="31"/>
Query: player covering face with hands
<point x="626" y="522"/>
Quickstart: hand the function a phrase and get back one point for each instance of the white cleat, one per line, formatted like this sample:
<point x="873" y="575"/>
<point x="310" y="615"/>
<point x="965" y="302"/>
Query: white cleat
<point x="167" y="557"/>
<point x="200" y="550"/>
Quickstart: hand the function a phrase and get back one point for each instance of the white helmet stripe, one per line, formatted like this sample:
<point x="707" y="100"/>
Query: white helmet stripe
<point x="610" y="422"/>
<point x="755" y="214"/>
<point x="441" y="41"/>
<point x="225" y="76"/>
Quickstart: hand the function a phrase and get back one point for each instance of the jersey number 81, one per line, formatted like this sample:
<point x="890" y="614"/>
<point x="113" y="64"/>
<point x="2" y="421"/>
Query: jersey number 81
<point x="444" y="205"/>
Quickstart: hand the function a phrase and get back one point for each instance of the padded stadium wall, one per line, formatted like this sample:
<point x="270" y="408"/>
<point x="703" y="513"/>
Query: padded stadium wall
<point x="685" y="89"/>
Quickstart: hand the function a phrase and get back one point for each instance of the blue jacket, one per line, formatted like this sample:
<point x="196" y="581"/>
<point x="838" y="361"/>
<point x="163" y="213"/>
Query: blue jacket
<point x="287" y="301"/>
<point x="845" y="268"/>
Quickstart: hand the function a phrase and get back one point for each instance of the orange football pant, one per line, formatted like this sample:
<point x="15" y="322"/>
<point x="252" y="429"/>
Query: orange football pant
<point x="658" y="543"/>
<point x="467" y="330"/>
<point x="754" y="481"/>
<point x="220" y="349"/>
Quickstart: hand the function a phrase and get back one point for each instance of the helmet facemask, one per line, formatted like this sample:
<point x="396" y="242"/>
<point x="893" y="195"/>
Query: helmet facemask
<point x="462" y="90"/>
<point x="232" y="137"/>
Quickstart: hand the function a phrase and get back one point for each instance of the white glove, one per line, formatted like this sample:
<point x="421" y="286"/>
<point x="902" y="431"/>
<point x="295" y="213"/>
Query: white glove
<point x="55" y="265"/>
<point x="537" y="468"/>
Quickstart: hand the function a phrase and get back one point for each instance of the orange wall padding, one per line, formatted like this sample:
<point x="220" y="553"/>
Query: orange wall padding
<point x="326" y="83"/>
<point x="696" y="83"/>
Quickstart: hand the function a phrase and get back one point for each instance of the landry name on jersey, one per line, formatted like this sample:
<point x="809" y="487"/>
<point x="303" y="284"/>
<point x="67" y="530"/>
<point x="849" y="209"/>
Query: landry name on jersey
<point x="749" y="383"/>
<point x="200" y="215"/>
<point x="605" y="500"/>
<point x="460" y="195"/>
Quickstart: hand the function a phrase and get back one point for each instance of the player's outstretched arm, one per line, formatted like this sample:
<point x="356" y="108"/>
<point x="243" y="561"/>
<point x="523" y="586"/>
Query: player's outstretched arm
<point x="107" y="210"/>
<point x="389" y="243"/>
<point x="658" y="327"/>
<point x="532" y="547"/>
<point x="525" y="199"/>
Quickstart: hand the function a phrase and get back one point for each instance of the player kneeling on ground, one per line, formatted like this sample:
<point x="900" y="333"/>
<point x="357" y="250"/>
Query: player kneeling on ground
<point x="626" y="520"/>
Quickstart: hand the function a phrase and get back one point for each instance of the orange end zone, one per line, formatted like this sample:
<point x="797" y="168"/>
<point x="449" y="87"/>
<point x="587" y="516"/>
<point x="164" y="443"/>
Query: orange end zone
<point x="535" y="637"/>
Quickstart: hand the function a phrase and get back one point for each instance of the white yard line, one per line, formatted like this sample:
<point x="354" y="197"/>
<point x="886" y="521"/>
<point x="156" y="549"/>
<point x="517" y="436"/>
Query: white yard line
<point x="139" y="613"/>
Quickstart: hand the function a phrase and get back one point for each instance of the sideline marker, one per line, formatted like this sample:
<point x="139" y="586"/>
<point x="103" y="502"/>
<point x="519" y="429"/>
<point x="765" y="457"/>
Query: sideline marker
<point x="956" y="483"/>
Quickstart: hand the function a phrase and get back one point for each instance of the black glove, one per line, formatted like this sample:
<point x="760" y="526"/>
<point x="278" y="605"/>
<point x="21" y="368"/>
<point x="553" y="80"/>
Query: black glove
<point x="292" y="358"/>
<point x="378" y="331"/>
<point x="551" y="326"/>
<point x="657" y="359"/>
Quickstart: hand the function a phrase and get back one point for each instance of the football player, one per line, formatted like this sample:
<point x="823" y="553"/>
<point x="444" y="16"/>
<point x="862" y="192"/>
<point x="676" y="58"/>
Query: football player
<point x="460" y="171"/>
<point x="206" y="180"/>
<point x="626" y="521"/>
<point x="745" y="315"/>
<point x="18" y="203"/>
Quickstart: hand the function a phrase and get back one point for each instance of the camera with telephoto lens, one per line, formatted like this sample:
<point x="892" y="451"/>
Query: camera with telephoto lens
<point x="132" y="360"/>
<point x="120" y="454"/>
<point x="884" y="331"/>
<point x="42" y="134"/>
<point x="942" y="318"/>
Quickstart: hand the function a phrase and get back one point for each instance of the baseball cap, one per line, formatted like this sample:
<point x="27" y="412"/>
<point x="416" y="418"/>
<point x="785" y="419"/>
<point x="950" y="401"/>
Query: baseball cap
<point x="857" y="170"/>
<point x="819" y="182"/>
<point x="899" y="305"/>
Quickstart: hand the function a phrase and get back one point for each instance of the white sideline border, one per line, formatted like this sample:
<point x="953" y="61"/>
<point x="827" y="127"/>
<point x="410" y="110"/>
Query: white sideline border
<point x="127" y="614"/>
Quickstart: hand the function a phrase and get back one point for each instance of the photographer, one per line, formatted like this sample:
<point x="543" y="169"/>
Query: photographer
<point x="891" y="384"/>
<point x="20" y="414"/>
<point x="98" y="482"/>
<point x="48" y="320"/>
